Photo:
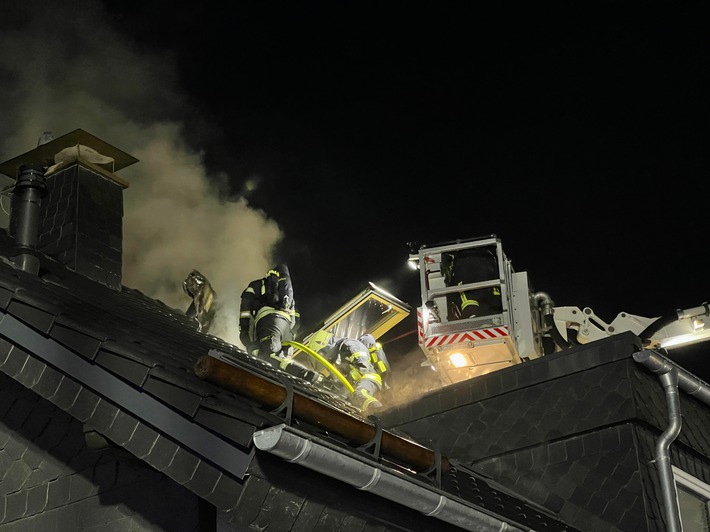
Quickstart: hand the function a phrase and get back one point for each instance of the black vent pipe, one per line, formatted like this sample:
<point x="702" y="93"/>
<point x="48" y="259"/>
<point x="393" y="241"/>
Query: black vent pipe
<point x="29" y="190"/>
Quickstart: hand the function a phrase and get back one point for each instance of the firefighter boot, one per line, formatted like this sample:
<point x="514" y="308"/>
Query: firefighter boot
<point x="366" y="402"/>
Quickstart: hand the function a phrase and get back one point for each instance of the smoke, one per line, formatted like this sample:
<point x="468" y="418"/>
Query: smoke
<point x="63" y="67"/>
<point x="175" y="221"/>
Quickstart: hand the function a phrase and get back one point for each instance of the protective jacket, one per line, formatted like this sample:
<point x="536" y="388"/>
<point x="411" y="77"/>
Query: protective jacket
<point x="377" y="357"/>
<point x="263" y="322"/>
<point x="354" y="358"/>
<point x="471" y="266"/>
<point x="268" y="317"/>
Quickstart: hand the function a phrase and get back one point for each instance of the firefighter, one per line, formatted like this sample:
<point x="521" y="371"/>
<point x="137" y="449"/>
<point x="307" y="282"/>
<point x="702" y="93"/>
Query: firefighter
<point x="268" y="317"/>
<point x="471" y="266"/>
<point x="378" y="358"/>
<point x="354" y="357"/>
<point x="380" y="363"/>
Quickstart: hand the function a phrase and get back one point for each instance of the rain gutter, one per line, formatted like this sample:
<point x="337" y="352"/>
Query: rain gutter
<point x="341" y="464"/>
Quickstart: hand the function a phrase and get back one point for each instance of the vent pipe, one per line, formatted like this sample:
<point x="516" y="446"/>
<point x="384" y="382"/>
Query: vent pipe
<point x="79" y="222"/>
<point x="29" y="190"/>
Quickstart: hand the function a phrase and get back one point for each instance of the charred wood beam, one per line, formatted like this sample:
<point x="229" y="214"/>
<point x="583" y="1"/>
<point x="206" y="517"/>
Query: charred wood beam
<point x="354" y="430"/>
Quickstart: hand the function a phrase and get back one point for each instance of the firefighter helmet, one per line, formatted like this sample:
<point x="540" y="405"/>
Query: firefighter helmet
<point x="319" y="340"/>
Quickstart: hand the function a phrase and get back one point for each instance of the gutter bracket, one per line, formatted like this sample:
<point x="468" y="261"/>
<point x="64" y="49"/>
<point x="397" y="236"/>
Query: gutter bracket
<point x="376" y="440"/>
<point x="434" y="472"/>
<point x="287" y="404"/>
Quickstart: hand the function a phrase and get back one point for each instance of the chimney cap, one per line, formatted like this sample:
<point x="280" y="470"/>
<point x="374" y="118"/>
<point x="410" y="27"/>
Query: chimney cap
<point x="44" y="154"/>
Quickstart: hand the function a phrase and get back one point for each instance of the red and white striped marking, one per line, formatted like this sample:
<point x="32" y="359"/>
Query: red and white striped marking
<point x="456" y="338"/>
<point x="467" y="336"/>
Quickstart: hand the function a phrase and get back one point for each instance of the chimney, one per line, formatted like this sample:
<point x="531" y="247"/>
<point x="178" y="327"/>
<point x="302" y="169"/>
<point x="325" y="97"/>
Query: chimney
<point x="80" y="216"/>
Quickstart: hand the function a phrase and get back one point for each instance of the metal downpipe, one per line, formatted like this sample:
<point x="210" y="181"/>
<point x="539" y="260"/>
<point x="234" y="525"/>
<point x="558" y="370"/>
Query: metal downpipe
<point x="669" y="381"/>
<point x="670" y="377"/>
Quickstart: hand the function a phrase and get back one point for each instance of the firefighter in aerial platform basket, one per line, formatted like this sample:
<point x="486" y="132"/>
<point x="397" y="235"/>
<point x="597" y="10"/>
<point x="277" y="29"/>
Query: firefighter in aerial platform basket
<point x="471" y="266"/>
<point x="268" y="318"/>
<point x="355" y="360"/>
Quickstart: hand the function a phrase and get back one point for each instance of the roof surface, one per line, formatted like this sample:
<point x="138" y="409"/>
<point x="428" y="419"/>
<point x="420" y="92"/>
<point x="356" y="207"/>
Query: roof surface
<point x="123" y="364"/>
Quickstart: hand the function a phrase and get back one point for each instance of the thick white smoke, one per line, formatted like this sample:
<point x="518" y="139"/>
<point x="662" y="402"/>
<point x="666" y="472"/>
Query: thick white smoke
<point x="63" y="67"/>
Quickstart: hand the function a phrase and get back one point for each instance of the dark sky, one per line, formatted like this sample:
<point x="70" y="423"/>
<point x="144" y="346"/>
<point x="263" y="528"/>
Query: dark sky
<point x="575" y="132"/>
<point x="577" y="136"/>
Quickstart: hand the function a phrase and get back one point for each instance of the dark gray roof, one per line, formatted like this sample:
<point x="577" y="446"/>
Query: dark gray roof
<point x="123" y="364"/>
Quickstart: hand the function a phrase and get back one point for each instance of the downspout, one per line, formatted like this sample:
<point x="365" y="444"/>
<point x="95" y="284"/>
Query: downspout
<point x="295" y="446"/>
<point x="671" y="378"/>
<point x="669" y="381"/>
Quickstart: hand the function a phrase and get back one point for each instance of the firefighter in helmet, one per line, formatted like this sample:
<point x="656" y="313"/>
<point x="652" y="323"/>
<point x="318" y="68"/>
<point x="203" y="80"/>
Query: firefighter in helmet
<point x="471" y="266"/>
<point x="353" y="358"/>
<point x="268" y="317"/>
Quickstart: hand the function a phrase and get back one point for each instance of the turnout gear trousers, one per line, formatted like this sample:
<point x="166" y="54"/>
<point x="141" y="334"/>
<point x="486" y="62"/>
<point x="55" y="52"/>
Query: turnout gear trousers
<point x="361" y="373"/>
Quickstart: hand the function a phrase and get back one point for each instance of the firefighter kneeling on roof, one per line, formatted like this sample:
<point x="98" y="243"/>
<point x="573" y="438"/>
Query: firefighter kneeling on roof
<point x="356" y="361"/>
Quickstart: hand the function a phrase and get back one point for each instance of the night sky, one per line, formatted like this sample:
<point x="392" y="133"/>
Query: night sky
<point x="575" y="132"/>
